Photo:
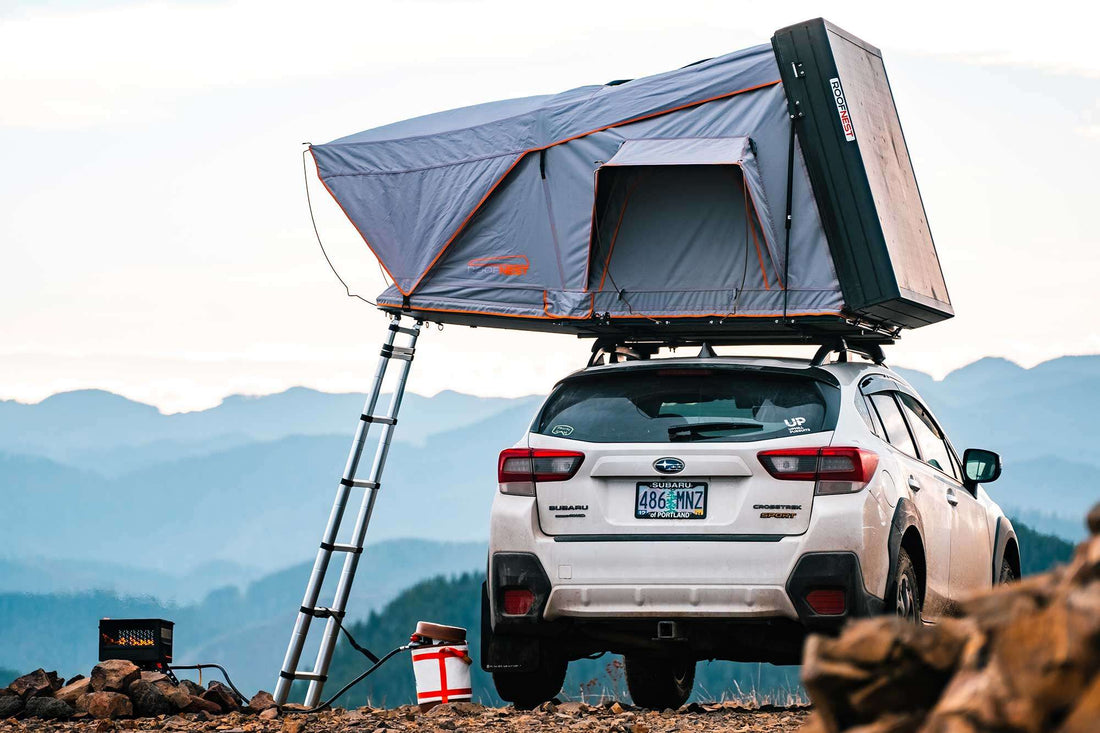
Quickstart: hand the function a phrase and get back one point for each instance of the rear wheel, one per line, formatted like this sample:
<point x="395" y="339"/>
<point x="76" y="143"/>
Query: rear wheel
<point x="528" y="689"/>
<point x="906" y="586"/>
<point x="1007" y="573"/>
<point x="657" y="683"/>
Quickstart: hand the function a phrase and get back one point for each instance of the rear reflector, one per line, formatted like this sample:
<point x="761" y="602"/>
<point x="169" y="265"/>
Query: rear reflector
<point x="518" y="602"/>
<point x="826" y="602"/>
<point x="529" y="465"/>
<point x="836" y="470"/>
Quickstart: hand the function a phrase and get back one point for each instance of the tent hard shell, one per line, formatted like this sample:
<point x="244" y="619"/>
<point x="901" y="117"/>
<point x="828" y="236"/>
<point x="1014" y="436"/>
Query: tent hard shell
<point x="672" y="206"/>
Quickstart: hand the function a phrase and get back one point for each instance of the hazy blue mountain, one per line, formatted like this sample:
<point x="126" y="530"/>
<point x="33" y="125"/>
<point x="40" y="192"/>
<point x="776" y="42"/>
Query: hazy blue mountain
<point x="107" y="434"/>
<point x="52" y="575"/>
<point x="261" y="504"/>
<point x="245" y="629"/>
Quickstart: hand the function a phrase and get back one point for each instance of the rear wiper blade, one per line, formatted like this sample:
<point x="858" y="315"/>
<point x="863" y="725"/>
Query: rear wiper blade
<point x="694" y="428"/>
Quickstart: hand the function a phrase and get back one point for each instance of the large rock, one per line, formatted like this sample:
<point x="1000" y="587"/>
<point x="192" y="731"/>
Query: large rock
<point x="37" y="683"/>
<point x="149" y="700"/>
<point x="221" y="696"/>
<point x="106" y="705"/>
<point x="198" y="705"/>
<point x="1023" y="657"/>
<point x="150" y="676"/>
<point x="260" y="702"/>
<point x="114" y="675"/>
<point x="192" y="688"/>
<point x="178" y="696"/>
<point x="10" y="705"/>
<point x="73" y="691"/>
<point x="48" y="708"/>
<point x="880" y="666"/>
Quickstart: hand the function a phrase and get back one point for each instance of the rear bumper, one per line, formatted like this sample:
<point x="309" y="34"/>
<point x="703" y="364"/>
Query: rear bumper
<point x="703" y="576"/>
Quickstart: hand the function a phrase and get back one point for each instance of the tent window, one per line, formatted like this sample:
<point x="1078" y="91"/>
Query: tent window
<point x="678" y="227"/>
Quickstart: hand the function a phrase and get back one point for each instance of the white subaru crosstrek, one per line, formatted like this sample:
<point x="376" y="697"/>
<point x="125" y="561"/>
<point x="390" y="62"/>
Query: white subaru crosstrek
<point x="675" y="510"/>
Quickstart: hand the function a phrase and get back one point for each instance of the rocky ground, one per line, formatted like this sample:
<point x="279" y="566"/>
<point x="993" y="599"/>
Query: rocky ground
<point x="569" y="717"/>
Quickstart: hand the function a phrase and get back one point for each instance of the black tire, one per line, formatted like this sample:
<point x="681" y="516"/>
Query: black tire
<point x="659" y="683"/>
<point x="1008" y="575"/>
<point x="529" y="689"/>
<point x="905" y="596"/>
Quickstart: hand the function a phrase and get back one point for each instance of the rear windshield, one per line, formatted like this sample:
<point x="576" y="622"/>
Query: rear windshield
<point x="682" y="405"/>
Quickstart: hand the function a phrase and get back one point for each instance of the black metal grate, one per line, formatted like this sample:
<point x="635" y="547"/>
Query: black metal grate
<point x="144" y="641"/>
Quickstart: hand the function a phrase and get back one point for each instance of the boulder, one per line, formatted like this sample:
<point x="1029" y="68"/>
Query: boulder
<point x="260" y="702"/>
<point x="114" y="675"/>
<point x="10" y="706"/>
<point x="48" y="708"/>
<point x="106" y="705"/>
<point x="221" y="696"/>
<point x="881" y="666"/>
<point x="1019" y="657"/>
<point x="178" y="696"/>
<point x="73" y="691"/>
<point x="154" y="677"/>
<point x="37" y="683"/>
<point x="192" y="688"/>
<point x="149" y="700"/>
<point x="198" y="705"/>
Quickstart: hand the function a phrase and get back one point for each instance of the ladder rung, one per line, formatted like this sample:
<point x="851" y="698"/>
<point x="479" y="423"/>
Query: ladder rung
<point x="359" y="484"/>
<point x="321" y="612"/>
<point x="309" y="676"/>
<point x="341" y="548"/>
<point x="398" y="352"/>
<point x="401" y="329"/>
<point x="381" y="419"/>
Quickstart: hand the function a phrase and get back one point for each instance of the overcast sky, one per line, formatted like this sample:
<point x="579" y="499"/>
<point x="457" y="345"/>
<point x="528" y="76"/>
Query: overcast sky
<point x="153" y="226"/>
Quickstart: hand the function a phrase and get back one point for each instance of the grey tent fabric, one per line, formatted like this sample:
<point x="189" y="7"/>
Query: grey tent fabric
<point x="508" y="209"/>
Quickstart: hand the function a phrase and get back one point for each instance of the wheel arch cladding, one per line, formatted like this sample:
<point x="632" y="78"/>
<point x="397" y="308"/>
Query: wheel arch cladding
<point x="1005" y="547"/>
<point x="907" y="531"/>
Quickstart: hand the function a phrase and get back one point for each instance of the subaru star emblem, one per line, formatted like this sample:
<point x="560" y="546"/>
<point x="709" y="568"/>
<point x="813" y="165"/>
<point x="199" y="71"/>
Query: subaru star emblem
<point x="668" y="465"/>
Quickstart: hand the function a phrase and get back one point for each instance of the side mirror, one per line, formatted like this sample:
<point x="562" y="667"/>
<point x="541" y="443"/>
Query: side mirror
<point x="981" y="466"/>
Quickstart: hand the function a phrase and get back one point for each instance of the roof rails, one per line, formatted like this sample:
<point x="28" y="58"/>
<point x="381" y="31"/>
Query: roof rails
<point x="872" y="351"/>
<point x="612" y="350"/>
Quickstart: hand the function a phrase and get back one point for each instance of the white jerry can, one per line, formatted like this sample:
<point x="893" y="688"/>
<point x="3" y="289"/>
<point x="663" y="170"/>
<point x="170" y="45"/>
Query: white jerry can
<point x="442" y="670"/>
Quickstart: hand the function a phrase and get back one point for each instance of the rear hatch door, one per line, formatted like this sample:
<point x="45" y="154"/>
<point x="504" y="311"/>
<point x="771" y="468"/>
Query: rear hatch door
<point x="671" y="451"/>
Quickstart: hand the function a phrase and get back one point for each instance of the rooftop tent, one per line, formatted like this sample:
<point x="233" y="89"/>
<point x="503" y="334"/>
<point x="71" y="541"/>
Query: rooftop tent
<point x="658" y="205"/>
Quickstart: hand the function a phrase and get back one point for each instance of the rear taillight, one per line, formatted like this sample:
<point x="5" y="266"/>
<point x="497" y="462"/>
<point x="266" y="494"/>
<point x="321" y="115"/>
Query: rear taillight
<point x="518" y="602"/>
<point x="519" y="469"/>
<point x="836" y="470"/>
<point x="826" y="602"/>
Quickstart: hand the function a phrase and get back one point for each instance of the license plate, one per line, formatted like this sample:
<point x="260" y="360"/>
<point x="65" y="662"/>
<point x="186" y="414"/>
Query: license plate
<point x="671" y="500"/>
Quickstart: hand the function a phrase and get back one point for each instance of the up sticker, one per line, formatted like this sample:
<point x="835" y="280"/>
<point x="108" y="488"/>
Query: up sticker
<point x="796" y="425"/>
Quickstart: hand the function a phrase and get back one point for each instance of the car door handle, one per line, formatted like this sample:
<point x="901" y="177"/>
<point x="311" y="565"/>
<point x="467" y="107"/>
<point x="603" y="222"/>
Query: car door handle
<point x="914" y="484"/>
<point x="952" y="497"/>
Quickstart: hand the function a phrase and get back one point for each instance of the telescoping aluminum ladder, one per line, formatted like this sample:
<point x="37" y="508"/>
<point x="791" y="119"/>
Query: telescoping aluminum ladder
<point x="353" y="549"/>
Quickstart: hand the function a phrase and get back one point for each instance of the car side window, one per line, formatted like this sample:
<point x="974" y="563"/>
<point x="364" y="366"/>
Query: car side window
<point x="930" y="440"/>
<point x="956" y="467"/>
<point x="867" y="413"/>
<point x="897" y="434"/>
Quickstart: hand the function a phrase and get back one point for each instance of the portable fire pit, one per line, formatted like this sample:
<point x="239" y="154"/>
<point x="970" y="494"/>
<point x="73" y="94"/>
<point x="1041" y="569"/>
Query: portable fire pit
<point x="147" y="642"/>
